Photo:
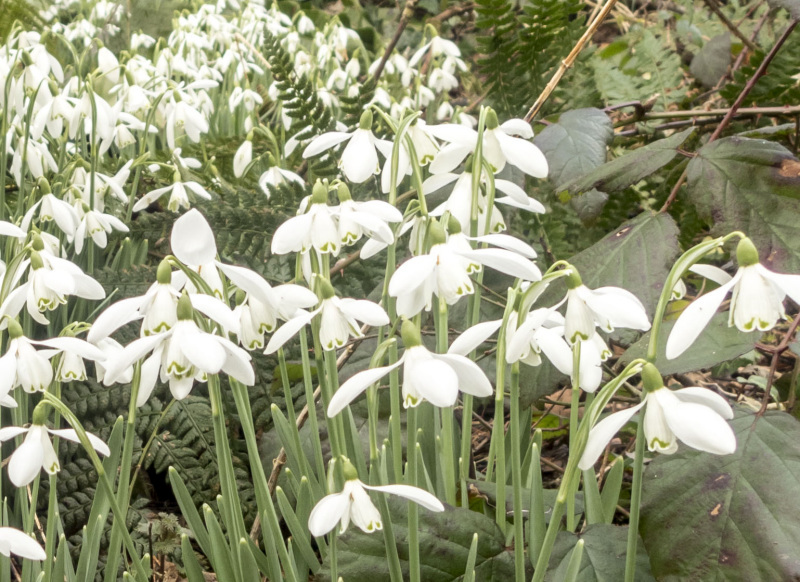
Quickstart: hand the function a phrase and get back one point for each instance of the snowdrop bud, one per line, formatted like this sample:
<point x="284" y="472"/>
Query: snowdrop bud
<point x="453" y="225"/>
<point x="491" y="119"/>
<point x="651" y="378"/>
<point x="185" y="311"/>
<point x="410" y="334"/>
<point x="366" y="120"/>
<point x="746" y="253"/>
<point x="36" y="261"/>
<point x="573" y="280"/>
<point x="319" y="194"/>
<point x="37" y="243"/>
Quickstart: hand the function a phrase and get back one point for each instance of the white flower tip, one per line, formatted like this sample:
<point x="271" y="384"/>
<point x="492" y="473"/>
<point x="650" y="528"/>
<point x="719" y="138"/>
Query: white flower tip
<point x="193" y="240"/>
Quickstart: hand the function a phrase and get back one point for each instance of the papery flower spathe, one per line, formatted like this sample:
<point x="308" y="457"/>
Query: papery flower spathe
<point x="353" y="504"/>
<point x="695" y="416"/>
<point x="436" y="378"/>
<point x="757" y="296"/>
<point x="359" y="160"/>
<point x="36" y="453"/>
<point x="14" y="541"/>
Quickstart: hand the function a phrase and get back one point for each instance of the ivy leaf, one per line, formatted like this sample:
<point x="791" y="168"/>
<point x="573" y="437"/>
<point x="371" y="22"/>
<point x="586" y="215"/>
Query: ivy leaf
<point x="444" y="543"/>
<point x="629" y="169"/>
<point x="717" y="343"/>
<point x="637" y="256"/>
<point x="603" y="558"/>
<point x="732" y="517"/>
<point x="750" y="185"/>
<point x="711" y="63"/>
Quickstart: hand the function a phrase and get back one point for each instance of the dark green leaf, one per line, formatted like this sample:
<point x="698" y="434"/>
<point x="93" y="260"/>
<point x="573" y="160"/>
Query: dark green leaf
<point x="711" y="63"/>
<point x="444" y="539"/>
<point x="717" y="343"/>
<point x="733" y="517"/>
<point x="637" y="256"/>
<point x="576" y="144"/>
<point x="603" y="555"/>
<point x="750" y="185"/>
<point x="549" y="497"/>
<point x="629" y="169"/>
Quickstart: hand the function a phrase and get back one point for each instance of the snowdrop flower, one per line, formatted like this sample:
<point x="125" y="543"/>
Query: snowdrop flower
<point x="97" y="226"/>
<point x="184" y="353"/>
<point x="243" y="157"/>
<point x="315" y="228"/>
<point x="178" y="198"/>
<point x="757" y="296"/>
<point x="276" y="176"/>
<point x="108" y="65"/>
<point x="111" y="347"/>
<point x="338" y="320"/>
<point x="23" y="365"/>
<point x="359" y="160"/>
<point x="499" y="146"/>
<point x="51" y="208"/>
<point x="141" y="40"/>
<point x="353" y="504"/>
<point x="246" y="97"/>
<point x="437" y="46"/>
<point x="695" y="416"/>
<point x="14" y="541"/>
<point x="371" y="217"/>
<point x="608" y="307"/>
<point x="436" y="378"/>
<point x="50" y="280"/>
<point x="36" y="453"/>
<point x="445" y="271"/>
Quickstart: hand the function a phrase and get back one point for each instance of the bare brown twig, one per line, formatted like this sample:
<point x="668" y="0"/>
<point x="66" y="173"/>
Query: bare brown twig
<point x="776" y="354"/>
<point x="408" y="12"/>
<point x="714" y="7"/>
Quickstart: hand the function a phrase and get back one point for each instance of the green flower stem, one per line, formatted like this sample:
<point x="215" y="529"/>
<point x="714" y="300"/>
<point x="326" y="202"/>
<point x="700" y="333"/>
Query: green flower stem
<point x="516" y="475"/>
<point x="53" y="516"/>
<point x="498" y="436"/>
<point x="227" y="479"/>
<point x="119" y="517"/>
<point x="636" y="501"/>
<point x="123" y="496"/>
<point x="413" y="514"/>
<point x="332" y="552"/>
<point x="678" y="270"/>
<point x="395" y="570"/>
<point x="263" y="499"/>
<point x="287" y="388"/>
<point x="335" y="435"/>
<point x="573" y="425"/>
<point x="395" y="422"/>
<point x="571" y="472"/>
<point x="335" y="424"/>
<point x="447" y="431"/>
<point x="313" y="425"/>
<point x="477" y="169"/>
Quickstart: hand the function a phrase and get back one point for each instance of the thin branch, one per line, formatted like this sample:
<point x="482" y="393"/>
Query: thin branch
<point x="714" y="7"/>
<point x="776" y="354"/>
<point x="450" y="12"/>
<point x="762" y="69"/>
<point x="408" y="12"/>
<point x="567" y="62"/>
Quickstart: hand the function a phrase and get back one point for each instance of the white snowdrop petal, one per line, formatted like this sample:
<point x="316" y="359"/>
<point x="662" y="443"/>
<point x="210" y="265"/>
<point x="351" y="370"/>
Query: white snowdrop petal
<point x="415" y="494"/>
<point x="192" y="239"/>
<point x="694" y="319"/>
<point x="471" y="379"/>
<point x="327" y="513"/>
<point x="473" y="337"/>
<point x="602" y="433"/>
<point x="353" y="387"/>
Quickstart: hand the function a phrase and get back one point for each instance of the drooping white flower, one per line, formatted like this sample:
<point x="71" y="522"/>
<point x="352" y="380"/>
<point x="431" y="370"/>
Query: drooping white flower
<point x="50" y="280"/>
<point x="359" y="160"/>
<point x="353" y="504"/>
<point x="276" y="176"/>
<point x="36" y="453"/>
<point x="14" y="541"/>
<point x="500" y="146"/>
<point x="371" y="217"/>
<point x="243" y="157"/>
<point x="97" y="226"/>
<point x="315" y="228"/>
<point x="23" y="365"/>
<point x="338" y="320"/>
<point x="436" y="378"/>
<point x="179" y="197"/>
<point x="695" y="416"/>
<point x="182" y="354"/>
<point x="607" y="307"/>
<point x="757" y="296"/>
<point x="445" y="271"/>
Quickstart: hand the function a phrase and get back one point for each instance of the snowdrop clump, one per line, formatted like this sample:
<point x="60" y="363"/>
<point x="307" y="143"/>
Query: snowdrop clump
<point x="95" y="145"/>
